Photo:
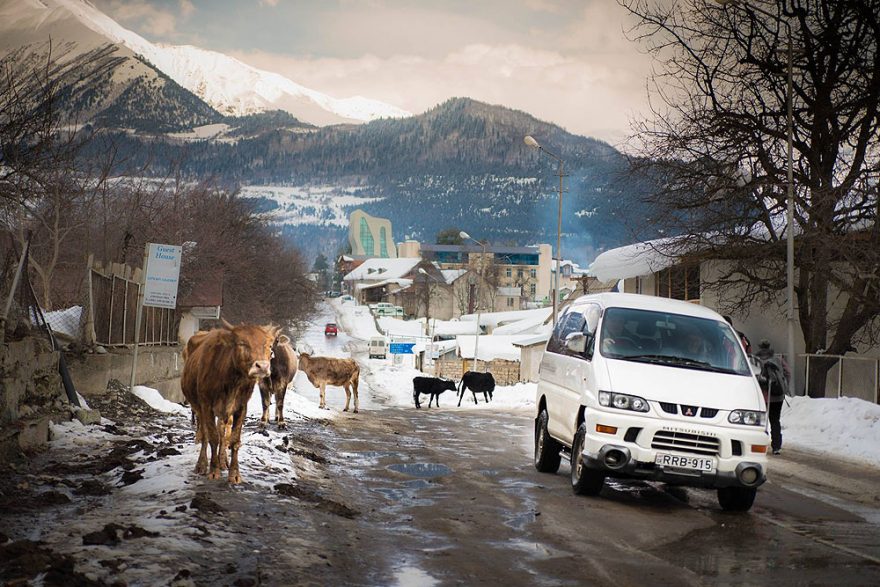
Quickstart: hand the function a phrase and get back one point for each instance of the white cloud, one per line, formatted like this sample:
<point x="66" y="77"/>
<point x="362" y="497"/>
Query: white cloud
<point x="147" y="17"/>
<point x="268" y="2"/>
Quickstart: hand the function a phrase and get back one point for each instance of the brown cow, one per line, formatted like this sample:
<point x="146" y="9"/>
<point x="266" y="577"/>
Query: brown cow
<point x="324" y="371"/>
<point x="284" y="363"/>
<point x="218" y="379"/>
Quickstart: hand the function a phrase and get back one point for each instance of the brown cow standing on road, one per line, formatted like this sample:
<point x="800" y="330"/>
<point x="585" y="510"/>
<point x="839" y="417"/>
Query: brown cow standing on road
<point x="284" y="363"/>
<point x="324" y="371"/>
<point x="218" y="379"/>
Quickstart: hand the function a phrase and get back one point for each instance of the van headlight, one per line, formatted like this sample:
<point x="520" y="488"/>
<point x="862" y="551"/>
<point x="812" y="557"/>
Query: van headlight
<point x="622" y="401"/>
<point x="747" y="417"/>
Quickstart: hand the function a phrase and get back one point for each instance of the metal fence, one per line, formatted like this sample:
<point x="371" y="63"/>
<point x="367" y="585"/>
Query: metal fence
<point x="113" y="298"/>
<point x="850" y="376"/>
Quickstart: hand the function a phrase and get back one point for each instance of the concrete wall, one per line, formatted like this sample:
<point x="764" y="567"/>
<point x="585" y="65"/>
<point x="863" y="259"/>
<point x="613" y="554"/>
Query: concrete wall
<point x="504" y="372"/>
<point x="158" y="367"/>
<point x="30" y="395"/>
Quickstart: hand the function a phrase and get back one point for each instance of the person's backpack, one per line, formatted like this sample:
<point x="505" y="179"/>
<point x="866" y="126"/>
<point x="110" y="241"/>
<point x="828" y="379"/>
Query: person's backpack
<point x="772" y="379"/>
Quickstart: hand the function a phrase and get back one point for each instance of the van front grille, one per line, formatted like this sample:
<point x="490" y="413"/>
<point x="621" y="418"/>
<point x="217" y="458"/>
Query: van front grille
<point x="685" y="442"/>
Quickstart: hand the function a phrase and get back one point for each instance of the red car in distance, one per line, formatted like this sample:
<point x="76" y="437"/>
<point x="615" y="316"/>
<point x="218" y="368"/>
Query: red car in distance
<point x="330" y="329"/>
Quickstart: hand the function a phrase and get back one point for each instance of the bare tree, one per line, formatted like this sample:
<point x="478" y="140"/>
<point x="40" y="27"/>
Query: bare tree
<point x="716" y="144"/>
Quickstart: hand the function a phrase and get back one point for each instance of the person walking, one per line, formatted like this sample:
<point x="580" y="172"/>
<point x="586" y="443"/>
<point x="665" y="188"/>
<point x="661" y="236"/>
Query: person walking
<point x="774" y="383"/>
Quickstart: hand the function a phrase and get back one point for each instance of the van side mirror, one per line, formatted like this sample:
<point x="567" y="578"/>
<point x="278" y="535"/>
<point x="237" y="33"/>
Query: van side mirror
<point x="576" y="342"/>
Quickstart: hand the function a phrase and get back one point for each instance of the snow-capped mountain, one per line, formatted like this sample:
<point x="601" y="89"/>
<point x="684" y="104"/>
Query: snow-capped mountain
<point x="226" y="84"/>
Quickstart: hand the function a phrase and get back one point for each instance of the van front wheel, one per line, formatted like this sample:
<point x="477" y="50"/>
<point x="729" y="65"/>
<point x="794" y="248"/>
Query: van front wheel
<point x="584" y="481"/>
<point x="737" y="499"/>
<point x="547" y="449"/>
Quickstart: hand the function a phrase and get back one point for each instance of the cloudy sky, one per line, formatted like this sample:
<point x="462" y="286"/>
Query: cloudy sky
<point x="565" y="61"/>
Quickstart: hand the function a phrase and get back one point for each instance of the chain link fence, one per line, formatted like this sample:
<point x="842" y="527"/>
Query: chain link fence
<point x="22" y="315"/>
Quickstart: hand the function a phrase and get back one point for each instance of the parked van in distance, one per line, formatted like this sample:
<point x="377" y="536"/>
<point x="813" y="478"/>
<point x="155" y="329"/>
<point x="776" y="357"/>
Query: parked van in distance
<point x="378" y="347"/>
<point x="642" y="387"/>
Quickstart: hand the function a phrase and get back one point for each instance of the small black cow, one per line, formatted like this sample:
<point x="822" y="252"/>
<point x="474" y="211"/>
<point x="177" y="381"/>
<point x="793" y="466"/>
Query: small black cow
<point x="476" y="382"/>
<point x="432" y="386"/>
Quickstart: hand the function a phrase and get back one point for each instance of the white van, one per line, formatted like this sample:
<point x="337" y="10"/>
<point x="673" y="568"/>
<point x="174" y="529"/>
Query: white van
<point x="642" y="387"/>
<point x="378" y="347"/>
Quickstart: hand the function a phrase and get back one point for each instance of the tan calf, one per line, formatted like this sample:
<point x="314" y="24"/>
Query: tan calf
<point x="324" y="371"/>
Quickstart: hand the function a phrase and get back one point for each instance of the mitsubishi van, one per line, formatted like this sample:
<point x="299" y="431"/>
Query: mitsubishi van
<point x="643" y="387"/>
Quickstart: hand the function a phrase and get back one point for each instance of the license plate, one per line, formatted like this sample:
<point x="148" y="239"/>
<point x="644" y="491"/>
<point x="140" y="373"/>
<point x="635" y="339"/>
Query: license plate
<point x="706" y="464"/>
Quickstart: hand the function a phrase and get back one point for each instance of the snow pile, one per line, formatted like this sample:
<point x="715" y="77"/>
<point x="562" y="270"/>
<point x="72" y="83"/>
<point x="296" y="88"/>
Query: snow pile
<point x="452" y="327"/>
<point x="395" y="326"/>
<point x="846" y="427"/>
<point x="356" y="320"/>
<point x="493" y="320"/>
<point x="155" y="400"/>
<point x="491" y="347"/>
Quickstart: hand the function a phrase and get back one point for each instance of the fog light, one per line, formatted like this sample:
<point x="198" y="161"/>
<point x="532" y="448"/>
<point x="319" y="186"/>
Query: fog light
<point x="606" y="429"/>
<point x="749" y="475"/>
<point x="762" y="448"/>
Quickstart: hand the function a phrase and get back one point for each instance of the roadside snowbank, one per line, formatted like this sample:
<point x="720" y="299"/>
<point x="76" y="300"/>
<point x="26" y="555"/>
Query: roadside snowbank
<point x="355" y="320"/>
<point x="846" y="427"/>
<point x="157" y="402"/>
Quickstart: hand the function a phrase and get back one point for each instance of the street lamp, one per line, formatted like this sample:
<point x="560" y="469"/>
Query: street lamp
<point x="466" y="236"/>
<point x="532" y="143"/>
<point x="789" y="256"/>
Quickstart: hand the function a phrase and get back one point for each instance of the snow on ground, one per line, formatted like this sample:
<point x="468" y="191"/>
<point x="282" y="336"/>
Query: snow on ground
<point x="395" y="326"/>
<point x="356" y="320"/>
<point x="845" y="427"/>
<point x="494" y="319"/>
<point x="157" y="402"/>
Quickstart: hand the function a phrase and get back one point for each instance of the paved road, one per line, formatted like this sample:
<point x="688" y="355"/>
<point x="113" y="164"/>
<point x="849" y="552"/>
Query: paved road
<point x="451" y="496"/>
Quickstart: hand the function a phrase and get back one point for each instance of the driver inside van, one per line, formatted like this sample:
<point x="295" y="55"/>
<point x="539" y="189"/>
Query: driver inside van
<point x="614" y="335"/>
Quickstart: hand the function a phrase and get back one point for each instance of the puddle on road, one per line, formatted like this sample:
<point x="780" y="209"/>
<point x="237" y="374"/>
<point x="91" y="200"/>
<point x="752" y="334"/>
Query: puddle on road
<point x="535" y="549"/>
<point x="421" y="470"/>
<point x="413" y="577"/>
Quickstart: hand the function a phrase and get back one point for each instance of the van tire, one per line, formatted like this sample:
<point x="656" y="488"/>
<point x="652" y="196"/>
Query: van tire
<point x="584" y="481"/>
<point x="737" y="499"/>
<point x="547" y="449"/>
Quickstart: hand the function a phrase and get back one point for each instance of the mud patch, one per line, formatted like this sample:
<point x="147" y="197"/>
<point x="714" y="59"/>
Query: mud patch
<point x="112" y="534"/>
<point x="323" y="504"/>
<point x="203" y="503"/>
<point x="21" y="562"/>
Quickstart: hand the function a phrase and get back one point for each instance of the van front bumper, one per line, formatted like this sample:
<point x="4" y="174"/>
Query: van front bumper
<point x="628" y="455"/>
<point x="617" y="461"/>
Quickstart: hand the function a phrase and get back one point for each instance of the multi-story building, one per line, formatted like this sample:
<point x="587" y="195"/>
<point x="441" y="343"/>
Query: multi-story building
<point x="526" y="268"/>
<point x="370" y="236"/>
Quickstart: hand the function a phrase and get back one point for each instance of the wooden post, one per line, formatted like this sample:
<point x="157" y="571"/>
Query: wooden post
<point x="137" y="323"/>
<point x="90" y="334"/>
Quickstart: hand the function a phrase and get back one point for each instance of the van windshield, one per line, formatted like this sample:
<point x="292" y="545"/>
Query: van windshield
<point x="675" y="340"/>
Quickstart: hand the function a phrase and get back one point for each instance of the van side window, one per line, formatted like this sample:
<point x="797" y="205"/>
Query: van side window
<point x="573" y="321"/>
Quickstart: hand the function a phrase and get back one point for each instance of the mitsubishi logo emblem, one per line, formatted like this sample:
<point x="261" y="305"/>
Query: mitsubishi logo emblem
<point x="688" y="411"/>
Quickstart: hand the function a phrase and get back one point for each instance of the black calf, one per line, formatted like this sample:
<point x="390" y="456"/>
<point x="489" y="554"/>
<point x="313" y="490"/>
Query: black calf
<point x="432" y="386"/>
<point x="476" y="382"/>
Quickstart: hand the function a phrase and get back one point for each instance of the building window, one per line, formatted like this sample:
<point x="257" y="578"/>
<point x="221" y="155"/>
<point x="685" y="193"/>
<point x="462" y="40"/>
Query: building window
<point x="519" y="273"/>
<point x="532" y="289"/>
<point x="383" y="243"/>
<point x="509" y="272"/>
<point x="509" y="302"/>
<point x="533" y="273"/>
<point x="367" y="241"/>
<point x="681" y="282"/>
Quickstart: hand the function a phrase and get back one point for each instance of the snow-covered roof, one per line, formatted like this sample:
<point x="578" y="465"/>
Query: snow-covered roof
<point x="451" y="275"/>
<point x="493" y="319"/>
<point x="491" y="347"/>
<point x="632" y="261"/>
<point x="394" y="326"/>
<point x="537" y="339"/>
<point x="403" y="283"/>
<point x="531" y="325"/>
<point x="452" y="327"/>
<point x="382" y="269"/>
